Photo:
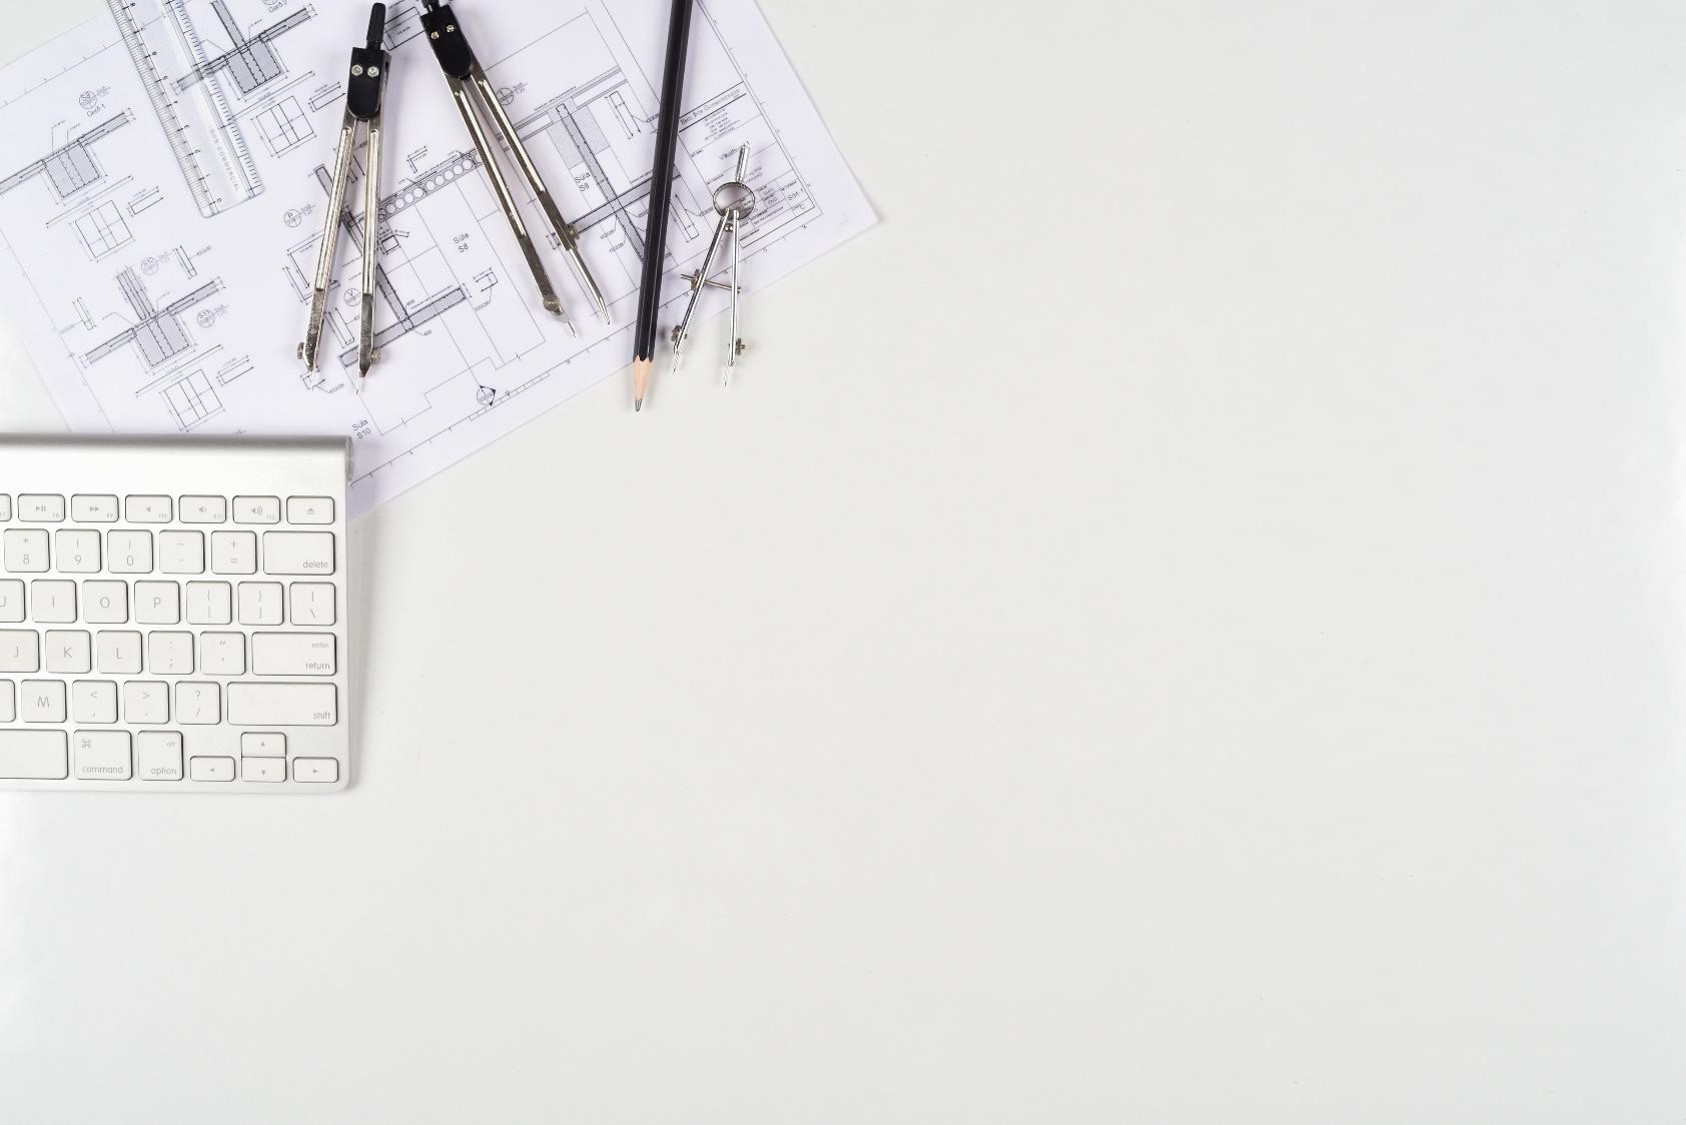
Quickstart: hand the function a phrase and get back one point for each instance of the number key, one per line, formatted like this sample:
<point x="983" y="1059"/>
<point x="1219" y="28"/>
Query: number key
<point x="26" y="552"/>
<point x="130" y="552"/>
<point x="79" y="552"/>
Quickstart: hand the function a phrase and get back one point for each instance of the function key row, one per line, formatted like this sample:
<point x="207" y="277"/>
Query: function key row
<point x="36" y="508"/>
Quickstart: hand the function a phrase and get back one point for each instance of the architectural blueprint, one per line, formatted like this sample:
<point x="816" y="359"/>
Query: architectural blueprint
<point x="166" y="171"/>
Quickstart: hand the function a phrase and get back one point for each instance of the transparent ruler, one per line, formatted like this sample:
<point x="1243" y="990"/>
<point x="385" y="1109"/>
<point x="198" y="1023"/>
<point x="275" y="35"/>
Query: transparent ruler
<point x="186" y="94"/>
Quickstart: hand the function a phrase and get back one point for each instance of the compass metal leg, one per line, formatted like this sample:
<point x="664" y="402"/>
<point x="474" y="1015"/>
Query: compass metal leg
<point x="330" y="246"/>
<point x="547" y="202"/>
<point x="506" y="198"/>
<point x="367" y="354"/>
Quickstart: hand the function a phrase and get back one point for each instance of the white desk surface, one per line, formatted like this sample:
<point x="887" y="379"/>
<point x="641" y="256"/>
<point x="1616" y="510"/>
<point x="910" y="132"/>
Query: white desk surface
<point x="1182" y="623"/>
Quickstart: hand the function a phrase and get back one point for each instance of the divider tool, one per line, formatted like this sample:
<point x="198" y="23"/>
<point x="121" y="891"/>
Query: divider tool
<point x="734" y="201"/>
<point x="464" y="73"/>
<point x="365" y="95"/>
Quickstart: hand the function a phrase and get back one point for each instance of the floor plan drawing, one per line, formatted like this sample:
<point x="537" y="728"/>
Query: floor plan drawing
<point x="250" y="61"/>
<point x="192" y="401"/>
<point x="284" y="126"/>
<point x="168" y="282"/>
<point x="158" y="334"/>
<point x="197" y="68"/>
<point x="103" y="232"/>
<point x="71" y="168"/>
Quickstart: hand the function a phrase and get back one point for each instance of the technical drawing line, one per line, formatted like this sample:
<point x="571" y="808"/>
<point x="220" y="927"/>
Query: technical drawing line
<point x="160" y="334"/>
<point x="251" y="62"/>
<point x="447" y="171"/>
<point x="71" y="168"/>
<point x="198" y="147"/>
<point x="408" y="320"/>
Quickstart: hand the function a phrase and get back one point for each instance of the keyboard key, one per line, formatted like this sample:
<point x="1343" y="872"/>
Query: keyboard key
<point x="198" y="704"/>
<point x="204" y="509"/>
<point x="310" y="509"/>
<point x="93" y="509"/>
<point x="260" y="745"/>
<point x="41" y="509"/>
<point x="119" y="653"/>
<point x="26" y="551"/>
<point x="69" y="652"/>
<point x="9" y="703"/>
<point x="5" y="508"/>
<point x="169" y="654"/>
<point x="298" y="552"/>
<point x="282" y="705"/>
<point x="146" y="702"/>
<point x="257" y="509"/>
<point x="158" y="755"/>
<point x="320" y="771"/>
<point x="210" y="603"/>
<point x="180" y="552"/>
<point x="157" y="603"/>
<point x="260" y="603"/>
<point x="129" y="552"/>
<point x="293" y="654"/>
<point x="222" y="654"/>
<point x="52" y="601"/>
<point x="234" y="552"/>
<point x="313" y="603"/>
<point x="148" y="509"/>
<point x="79" y="551"/>
<point x="264" y="769"/>
<point x="211" y="769"/>
<point x="11" y="601"/>
<point x="20" y="650"/>
<point x="93" y="701"/>
<point x="41" y="701"/>
<point x="34" y="755"/>
<point x="105" y="603"/>
<point x="103" y="755"/>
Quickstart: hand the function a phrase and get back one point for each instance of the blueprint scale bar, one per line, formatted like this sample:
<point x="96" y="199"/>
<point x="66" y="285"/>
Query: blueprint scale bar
<point x="202" y="133"/>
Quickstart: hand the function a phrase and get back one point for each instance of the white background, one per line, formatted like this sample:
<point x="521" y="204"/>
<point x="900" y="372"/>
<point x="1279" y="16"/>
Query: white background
<point x="1181" y="623"/>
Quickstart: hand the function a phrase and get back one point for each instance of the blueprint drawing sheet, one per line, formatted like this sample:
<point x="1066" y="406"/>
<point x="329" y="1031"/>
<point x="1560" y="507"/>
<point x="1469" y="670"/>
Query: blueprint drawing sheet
<point x="164" y="181"/>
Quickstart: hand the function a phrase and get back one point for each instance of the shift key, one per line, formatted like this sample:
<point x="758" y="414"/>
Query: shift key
<point x="282" y="705"/>
<point x="298" y="552"/>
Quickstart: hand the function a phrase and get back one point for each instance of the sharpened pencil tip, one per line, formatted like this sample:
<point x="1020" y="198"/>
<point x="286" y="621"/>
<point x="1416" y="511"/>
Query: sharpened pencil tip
<point x="638" y="406"/>
<point x="640" y="382"/>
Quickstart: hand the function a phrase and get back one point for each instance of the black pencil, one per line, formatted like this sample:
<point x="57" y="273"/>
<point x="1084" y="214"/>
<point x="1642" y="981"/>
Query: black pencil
<point x="661" y="201"/>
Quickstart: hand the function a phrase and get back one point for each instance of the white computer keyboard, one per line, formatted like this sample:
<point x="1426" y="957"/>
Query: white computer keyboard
<point x="173" y="615"/>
